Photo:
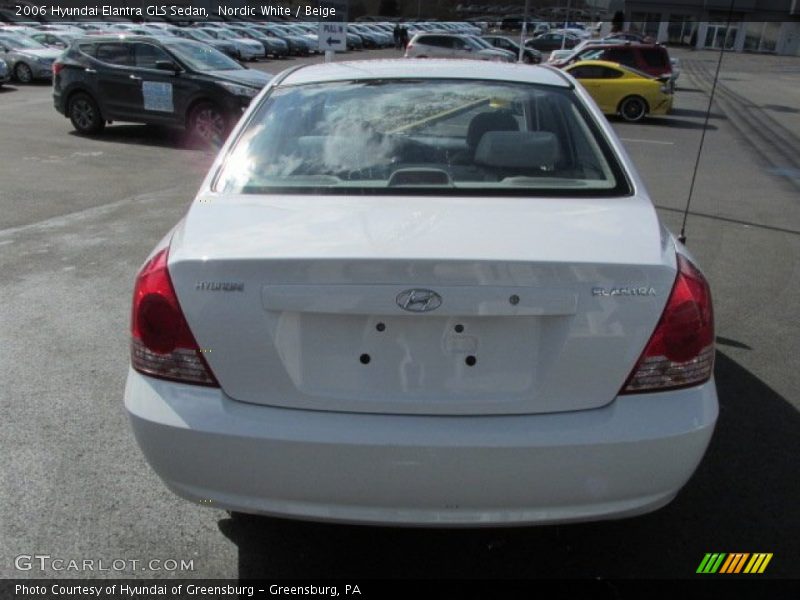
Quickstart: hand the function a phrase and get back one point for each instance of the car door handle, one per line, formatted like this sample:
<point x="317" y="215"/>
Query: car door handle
<point x="135" y="78"/>
<point x="88" y="70"/>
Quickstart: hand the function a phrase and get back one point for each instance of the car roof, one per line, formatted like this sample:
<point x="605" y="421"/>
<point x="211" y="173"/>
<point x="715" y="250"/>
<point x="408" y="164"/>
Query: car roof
<point x="129" y="37"/>
<point x="613" y="65"/>
<point x="431" y="68"/>
<point x="598" y="63"/>
<point x="441" y="33"/>
<point x="617" y="45"/>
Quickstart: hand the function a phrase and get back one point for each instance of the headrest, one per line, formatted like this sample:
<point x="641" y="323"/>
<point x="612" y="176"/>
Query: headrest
<point x="496" y="120"/>
<point x="518" y="150"/>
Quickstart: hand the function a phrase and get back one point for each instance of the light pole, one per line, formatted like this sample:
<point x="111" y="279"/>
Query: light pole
<point x="523" y="33"/>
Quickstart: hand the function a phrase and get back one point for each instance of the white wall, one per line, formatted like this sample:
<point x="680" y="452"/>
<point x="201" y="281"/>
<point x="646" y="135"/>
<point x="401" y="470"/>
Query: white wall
<point x="789" y="39"/>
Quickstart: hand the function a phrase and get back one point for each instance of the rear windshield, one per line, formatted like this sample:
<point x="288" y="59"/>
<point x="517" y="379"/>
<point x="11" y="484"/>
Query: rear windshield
<point x="411" y="136"/>
<point x="654" y="57"/>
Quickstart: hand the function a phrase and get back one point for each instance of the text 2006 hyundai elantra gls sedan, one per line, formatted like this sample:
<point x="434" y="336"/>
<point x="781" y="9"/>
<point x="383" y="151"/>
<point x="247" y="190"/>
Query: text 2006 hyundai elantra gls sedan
<point x="424" y="293"/>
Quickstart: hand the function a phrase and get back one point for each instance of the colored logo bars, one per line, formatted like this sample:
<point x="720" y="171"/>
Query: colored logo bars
<point x="737" y="562"/>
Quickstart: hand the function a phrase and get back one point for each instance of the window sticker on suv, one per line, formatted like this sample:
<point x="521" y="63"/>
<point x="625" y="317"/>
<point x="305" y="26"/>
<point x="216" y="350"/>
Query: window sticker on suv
<point x="157" y="96"/>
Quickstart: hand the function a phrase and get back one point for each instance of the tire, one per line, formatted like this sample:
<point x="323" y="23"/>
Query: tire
<point x="633" y="109"/>
<point x="23" y="73"/>
<point x="240" y="516"/>
<point x="85" y="114"/>
<point x="527" y="59"/>
<point x="208" y="124"/>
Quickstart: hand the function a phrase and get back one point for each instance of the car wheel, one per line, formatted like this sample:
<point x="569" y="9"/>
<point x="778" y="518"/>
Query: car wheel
<point x="208" y="123"/>
<point x="527" y="59"/>
<point x="23" y="73"/>
<point x="633" y="108"/>
<point x="85" y="114"/>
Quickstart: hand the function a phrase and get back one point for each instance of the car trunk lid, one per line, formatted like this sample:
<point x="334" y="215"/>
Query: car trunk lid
<point x="422" y="305"/>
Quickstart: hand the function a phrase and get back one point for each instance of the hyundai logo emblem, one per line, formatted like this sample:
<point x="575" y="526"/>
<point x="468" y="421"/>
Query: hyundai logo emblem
<point x="419" y="301"/>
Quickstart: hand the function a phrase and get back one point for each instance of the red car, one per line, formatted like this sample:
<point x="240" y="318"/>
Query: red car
<point x="629" y="36"/>
<point x="652" y="59"/>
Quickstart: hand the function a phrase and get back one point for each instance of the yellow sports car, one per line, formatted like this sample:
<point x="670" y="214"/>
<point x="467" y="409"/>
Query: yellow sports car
<point x="621" y="90"/>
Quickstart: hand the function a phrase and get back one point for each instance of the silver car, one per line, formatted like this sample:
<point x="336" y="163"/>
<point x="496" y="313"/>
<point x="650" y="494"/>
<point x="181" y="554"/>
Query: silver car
<point x="60" y="40"/>
<point x="5" y="73"/>
<point x="27" y="59"/>
<point x="246" y="49"/>
<point x="446" y="45"/>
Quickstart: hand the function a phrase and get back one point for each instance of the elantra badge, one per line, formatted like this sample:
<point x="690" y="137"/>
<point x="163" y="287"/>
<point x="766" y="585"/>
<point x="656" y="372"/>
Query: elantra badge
<point x="419" y="300"/>
<point x="219" y="286"/>
<point x="624" y="291"/>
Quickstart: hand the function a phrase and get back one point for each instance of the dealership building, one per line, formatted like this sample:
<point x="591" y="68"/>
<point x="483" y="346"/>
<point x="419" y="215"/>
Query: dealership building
<point x="771" y="26"/>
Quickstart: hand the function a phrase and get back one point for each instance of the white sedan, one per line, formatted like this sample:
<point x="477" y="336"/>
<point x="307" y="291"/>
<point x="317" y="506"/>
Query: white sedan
<point x="423" y="293"/>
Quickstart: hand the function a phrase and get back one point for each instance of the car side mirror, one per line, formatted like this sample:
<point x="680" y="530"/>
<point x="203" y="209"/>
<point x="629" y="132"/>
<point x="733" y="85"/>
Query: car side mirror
<point x="167" y="65"/>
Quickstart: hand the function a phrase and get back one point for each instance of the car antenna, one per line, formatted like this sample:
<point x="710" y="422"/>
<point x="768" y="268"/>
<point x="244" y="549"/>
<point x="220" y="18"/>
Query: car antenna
<point x="682" y="236"/>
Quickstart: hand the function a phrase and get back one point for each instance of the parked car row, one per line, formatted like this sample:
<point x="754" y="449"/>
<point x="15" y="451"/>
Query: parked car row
<point x="448" y="45"/>
<point x="652" y="59"/>
<point x="626" y="74"/>
<point x="243" y="41"/>
<point x="26" y="59"/>
<point x="490" y="47"/>
<point x="180" y="76"/>
<point x="629" y="79"/>
<point x="5" y="74"/>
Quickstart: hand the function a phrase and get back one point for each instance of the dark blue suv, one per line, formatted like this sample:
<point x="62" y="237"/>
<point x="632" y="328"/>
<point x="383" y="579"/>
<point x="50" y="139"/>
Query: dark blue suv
<point x="157" y="80"/>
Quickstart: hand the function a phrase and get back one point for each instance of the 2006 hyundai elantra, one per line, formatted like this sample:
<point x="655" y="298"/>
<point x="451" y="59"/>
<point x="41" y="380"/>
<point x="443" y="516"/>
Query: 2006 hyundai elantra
<point x="424" y="293"/>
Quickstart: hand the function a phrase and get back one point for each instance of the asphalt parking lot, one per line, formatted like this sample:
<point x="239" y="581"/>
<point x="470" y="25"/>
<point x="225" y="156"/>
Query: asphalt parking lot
<point x="79" y="215"/>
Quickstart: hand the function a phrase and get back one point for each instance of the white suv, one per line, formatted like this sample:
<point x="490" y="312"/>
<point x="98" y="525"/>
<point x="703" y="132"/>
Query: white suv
<point x="448" y="45"/>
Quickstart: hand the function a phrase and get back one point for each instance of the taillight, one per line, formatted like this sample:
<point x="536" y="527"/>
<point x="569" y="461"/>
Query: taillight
<point x="162" y="345"/>
<point x="57" y="67"/>
<point x="680" y="352"/>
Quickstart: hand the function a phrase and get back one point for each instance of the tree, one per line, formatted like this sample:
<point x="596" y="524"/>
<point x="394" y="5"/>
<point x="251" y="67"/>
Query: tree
<point x="618" y="22"/>
<point x="357" y="9"/>
<point x="388" y="8"/>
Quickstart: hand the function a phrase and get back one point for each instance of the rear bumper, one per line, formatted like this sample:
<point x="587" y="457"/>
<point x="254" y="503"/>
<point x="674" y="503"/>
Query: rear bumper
<point x="41" y="71"/>
<point x="627" y="458"/>
<point x="664" y="107"/>
<point x="249" y="53"/>
<point x="58" y="102"/>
